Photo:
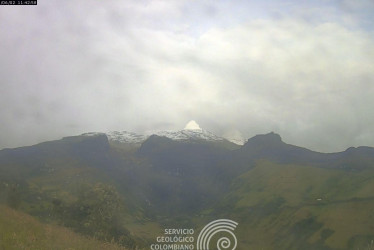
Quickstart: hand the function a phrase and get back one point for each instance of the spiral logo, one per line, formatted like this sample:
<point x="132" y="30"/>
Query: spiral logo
<point x="222" y="225"/>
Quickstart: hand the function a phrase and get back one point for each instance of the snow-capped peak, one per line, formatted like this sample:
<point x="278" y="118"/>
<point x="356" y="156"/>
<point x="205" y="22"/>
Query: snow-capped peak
<point x="189" y="134"/>
<point x="126" y="137"/>
<point x="192" y="125"/>
<point x="192" y="131"/>
<point x="182" y="135"/>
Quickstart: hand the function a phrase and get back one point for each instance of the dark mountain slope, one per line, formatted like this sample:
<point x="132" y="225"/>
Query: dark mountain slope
<point x="184" y="176"/>
<point x="271" y="147"/>
<point x="282" y="195"/>
<point x="91" y="149"/>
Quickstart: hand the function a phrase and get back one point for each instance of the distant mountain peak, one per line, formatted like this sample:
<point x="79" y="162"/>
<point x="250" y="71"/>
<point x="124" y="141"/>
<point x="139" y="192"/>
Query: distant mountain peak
<point x="188" y="134"/>
<point x="265" y="139"/>
<point x="192" y="125"/>
<point x="192" y="131"/>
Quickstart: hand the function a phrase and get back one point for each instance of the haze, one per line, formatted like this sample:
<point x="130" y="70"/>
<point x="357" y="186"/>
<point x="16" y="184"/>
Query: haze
<point x="303" y="69"/>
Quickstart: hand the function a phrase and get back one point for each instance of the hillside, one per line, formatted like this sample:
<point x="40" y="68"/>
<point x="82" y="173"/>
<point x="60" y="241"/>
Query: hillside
<point x="21" y="231"/>
<point x="283" y="196"/>
<point x="283" y="206"/>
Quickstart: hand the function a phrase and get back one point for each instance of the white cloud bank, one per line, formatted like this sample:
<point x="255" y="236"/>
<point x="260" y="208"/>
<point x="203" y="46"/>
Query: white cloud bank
<point x="155" y="64"/>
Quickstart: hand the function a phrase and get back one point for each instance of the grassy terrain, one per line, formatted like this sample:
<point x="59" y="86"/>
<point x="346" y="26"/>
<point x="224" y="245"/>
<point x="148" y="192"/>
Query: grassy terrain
<point x="129" y="195"/>
<point x="293" y="207"/>
<point x="21" y="231"/>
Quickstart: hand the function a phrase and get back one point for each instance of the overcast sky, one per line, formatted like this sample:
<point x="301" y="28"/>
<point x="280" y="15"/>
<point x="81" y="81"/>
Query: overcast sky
<point x="303" y="69"/>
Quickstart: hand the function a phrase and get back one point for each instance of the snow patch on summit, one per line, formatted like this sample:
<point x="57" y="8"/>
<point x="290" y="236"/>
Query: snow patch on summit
<point x="192" y="131"/>
<point x="192" y="125"/>
<point x="126" y="137"/>
<point x="190" y="134"/>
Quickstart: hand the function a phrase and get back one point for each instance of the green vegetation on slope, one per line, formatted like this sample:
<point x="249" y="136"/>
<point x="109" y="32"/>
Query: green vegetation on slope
<point x="282" y="196"/>
<point x="300" y="207"/>
<point x="21" y="231"/>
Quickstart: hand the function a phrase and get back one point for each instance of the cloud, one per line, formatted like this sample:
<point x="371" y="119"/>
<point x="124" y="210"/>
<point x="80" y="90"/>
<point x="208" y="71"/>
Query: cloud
<point x="145" y="65"/>
<point x="301" y="80"/>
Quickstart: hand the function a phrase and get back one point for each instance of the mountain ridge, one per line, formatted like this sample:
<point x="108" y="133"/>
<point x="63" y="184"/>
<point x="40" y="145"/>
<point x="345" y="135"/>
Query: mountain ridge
<point x="180" y="135"/>
<point x="269" y="140"/>
<point x="187" y="183"/>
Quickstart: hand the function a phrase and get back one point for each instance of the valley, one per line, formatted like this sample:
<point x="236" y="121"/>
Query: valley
<point x="127" y="193"/>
